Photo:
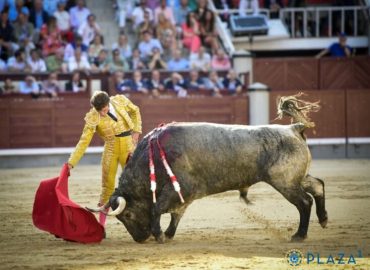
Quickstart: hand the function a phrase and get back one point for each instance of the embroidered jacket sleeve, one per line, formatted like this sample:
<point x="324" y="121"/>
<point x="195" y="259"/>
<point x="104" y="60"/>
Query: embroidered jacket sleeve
<point x="92" y="119"/>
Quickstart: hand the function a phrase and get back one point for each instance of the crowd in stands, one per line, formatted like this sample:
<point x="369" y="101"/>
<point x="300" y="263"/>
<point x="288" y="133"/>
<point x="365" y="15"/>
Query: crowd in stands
<point x="65" y="37"/>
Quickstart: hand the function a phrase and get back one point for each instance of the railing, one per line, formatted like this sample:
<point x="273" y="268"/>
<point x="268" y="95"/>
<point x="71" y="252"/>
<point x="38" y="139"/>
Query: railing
<point x="318" y="17"/>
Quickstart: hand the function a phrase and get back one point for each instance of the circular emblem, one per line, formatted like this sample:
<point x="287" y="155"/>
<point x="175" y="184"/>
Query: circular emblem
<point x="294" y="257"/>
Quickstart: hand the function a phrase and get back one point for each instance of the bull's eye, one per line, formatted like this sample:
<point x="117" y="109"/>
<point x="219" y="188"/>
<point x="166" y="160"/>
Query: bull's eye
<point x="128" y="215"/>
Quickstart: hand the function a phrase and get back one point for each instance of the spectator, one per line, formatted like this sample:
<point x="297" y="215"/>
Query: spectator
<point x="208" y="31"/>
<point x="181" y="12"/>
<point x="3" y="66"/>
<point x="137" y="84"/>
<point x="136" y="62"/>
<point x="7" y="37"/>
<point x="156" y="61"/>
<point x="95" y="47"/>
<point x="78" y="62"/>
<point x="51" y="37"/>
<point x="246" y="5"/>
<point x="123" y="46"/>
<point x="29" y="86"/>
<point x="18" y="62"/>
<point x="176" y="84"/>
<point x="38" y="16"/>
<point x="167" y="12"/>
<point x="194" y="83"/>
<point x="138" y="13"/>
<point x="119" y="81"/>
<point x="177" y="62"/>
<point x="89" y="29"/>
<point x="78" y="14"/>
<point x="75" y="85"/>
<point x="232" y="83"/>
<point x="51" y="86"/>
<point x="35" y="63"/>
<point x="146" y="25"/>
<point x="337" y="49"/>
<point x="214" y="83"/>
<point x="220" y="61"/>
<point x="101" y="63"/>
<point x="190" y="31"/>
<point x="274" y="6"/>
<point x="201" y="9"/>
<point x="225" y="6"/>
<point x="8" y="87"/>
<point x="23" y="29"/>
<point x="146" y="46"/>
<point x="124" y="11"/>
<point x="15" y="8"/>
<point x="55" y="62"/>
<point x="152" y="4"/>
<point x="64" y="21"/>
<point x="155" y="83"/>
<point x="166" y="33"/>
<point x="50" y="6"/>
<point x="201" y="60"/>
<point x="71" y="47"/>
<point x="117" y="63"/>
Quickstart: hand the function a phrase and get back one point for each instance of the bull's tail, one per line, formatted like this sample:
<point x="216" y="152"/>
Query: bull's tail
<point x="297" y="109"/>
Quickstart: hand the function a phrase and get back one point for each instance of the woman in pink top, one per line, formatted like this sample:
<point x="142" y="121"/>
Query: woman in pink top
<point x="51" y="37"/>
<point x="220" y="60"/>
<point x="190" y="31"/>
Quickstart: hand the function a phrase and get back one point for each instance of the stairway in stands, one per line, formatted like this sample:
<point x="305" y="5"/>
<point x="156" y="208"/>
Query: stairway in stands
<point x="105" y="16"/>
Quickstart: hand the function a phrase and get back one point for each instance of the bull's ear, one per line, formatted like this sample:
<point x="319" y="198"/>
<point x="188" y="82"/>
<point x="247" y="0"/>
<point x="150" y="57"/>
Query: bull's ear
<point x="121" y="206"/>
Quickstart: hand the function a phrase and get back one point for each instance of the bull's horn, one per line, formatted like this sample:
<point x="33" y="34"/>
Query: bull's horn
<point x="121" y="206"/>
<point x="102" y="208"/>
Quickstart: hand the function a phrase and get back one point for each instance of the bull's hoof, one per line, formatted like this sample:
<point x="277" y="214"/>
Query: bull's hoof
<point x="160" y="238"/>
<point x="168" y="237"/>
<point x="298" y="238"/>
<point x="323" y="223"/>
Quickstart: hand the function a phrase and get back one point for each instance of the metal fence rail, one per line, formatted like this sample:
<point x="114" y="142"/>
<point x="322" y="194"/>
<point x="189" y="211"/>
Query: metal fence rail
<point x="323" y="21"/>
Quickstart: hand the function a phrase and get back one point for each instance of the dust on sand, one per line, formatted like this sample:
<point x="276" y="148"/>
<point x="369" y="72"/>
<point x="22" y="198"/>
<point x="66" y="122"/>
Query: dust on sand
<point x="217" y="232"/>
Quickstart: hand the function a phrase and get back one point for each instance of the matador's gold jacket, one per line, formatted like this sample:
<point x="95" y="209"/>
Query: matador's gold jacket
<point x="128" y="118"/>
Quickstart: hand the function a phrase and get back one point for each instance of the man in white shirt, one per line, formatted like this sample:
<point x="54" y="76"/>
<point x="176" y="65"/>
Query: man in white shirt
<point x="78" y="14"/>
<point x="78" y="62"/>
<point x="200" y="60"/>
<point x="89" y="29"/>
<point x="138" y="13"/>
<point x="63" y="18"/>
<point x="35" y="63"/>
<point x="148" y="44"/>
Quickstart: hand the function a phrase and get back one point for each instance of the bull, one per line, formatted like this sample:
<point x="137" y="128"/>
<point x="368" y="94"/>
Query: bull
<point x="213" y="158"/>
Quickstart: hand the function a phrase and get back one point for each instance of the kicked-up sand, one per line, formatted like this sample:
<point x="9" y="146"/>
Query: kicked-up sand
<point x="216" y="232"/>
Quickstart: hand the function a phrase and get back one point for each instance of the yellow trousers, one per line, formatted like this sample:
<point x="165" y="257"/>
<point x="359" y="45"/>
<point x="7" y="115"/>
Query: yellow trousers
<point x="115" y="152"/>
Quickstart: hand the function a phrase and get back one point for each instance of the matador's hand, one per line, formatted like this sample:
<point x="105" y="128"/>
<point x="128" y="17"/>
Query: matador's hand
<point x="135" y="137"/>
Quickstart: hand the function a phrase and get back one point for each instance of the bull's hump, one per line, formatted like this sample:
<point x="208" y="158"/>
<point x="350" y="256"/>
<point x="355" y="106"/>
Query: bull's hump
<point x="229" y="127"/>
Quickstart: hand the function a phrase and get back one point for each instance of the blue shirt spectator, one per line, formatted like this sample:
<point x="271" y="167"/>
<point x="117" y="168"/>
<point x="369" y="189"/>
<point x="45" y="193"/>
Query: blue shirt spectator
<point x="177" y="62"/>
<point x="137" y="84"/>
<point x="338" y="49"/>
<point x="148" y="44"/>
<point x="195" y="83"/>
<point x="232" y="83"/>
<point x="50" y="6"/>
<point x="29" y="86"/>
<point x="181" y="12"/>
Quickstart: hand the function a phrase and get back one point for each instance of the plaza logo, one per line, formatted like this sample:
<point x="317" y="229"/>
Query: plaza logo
<point x="295" y="257"/>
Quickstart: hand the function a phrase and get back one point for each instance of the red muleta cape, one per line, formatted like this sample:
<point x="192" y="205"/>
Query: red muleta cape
<point x="54" y="212"/>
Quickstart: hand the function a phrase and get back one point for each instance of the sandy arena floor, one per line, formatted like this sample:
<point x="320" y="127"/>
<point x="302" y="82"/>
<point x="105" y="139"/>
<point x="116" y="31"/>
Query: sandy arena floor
<point x="218" y="232"/>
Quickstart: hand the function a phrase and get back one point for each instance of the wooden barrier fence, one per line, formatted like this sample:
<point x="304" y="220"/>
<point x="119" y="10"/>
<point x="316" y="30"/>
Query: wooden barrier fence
<point x="306" y="74"/>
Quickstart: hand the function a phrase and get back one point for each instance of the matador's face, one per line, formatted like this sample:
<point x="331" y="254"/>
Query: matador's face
<point x="104" y="111"/>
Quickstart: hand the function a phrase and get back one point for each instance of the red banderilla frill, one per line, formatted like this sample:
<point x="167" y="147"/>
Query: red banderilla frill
<point x="153" y="184"/>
